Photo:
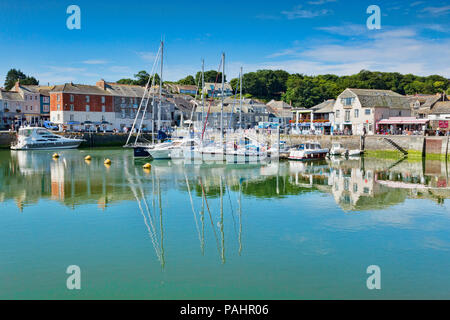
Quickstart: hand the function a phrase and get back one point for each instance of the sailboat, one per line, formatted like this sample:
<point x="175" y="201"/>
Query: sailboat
<point x="250" y="151"/>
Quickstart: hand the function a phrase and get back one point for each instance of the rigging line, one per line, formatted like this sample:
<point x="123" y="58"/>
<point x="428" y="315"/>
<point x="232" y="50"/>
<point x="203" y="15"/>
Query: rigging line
<point x="132" y="187"/>
<point x="234" y="102"/>
<point x="145" y="92"/>
<point x="163" y="261"/>
<point x="145" y="110"/>
<point x="192" y="206"/>
<point x="214" y="90"/>
<point x="210" y="217"/>
<point x="227" y="190"/>
<point x="144" y="200"/>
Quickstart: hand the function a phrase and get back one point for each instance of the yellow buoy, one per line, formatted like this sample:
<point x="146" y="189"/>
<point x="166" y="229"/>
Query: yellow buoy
<point x="55" y="155"/>
<point x="147" y="166"/>
<point x="88" y="157"/>
<point x="107" y="161"/>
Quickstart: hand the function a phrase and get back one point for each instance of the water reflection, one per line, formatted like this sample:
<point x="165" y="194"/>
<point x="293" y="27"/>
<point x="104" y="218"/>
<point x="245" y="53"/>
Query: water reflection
<point x="359" y="184"/>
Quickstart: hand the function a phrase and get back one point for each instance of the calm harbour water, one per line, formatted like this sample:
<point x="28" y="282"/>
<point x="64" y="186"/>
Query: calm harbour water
<point x="287" y="230"/>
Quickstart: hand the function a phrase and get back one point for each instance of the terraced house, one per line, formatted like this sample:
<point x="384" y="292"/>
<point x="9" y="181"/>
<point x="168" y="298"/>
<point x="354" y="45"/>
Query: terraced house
<point x="81" y="106"/>
<point x="11" y="105"/>
<point x="31" y="103"/>
<point x="358" y="111"/>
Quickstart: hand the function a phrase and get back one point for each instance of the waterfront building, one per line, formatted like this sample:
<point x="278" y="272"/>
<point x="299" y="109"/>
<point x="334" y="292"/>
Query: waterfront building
<point x="358" y="111"/>
<point x="182" y="89"/>
<point x="44" y="99"/>
<point x="318" y="119"/>
<point x="11" y="106"/>
<point x="421" y="104"/>
<point x="126" y="102"/>
<point x="210" y="87"/>
<point x="32" y="103"/>
<point x="439" y="116"/>
<point x="77" y="106"/>
<point x="280" y="112"/>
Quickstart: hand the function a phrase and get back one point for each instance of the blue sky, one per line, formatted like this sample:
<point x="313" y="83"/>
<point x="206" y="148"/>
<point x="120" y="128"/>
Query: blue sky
<point x="119" y="38"/>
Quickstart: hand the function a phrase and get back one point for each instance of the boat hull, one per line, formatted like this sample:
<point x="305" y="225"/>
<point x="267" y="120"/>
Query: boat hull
<point x="48" y="146"/>
<point x="307" y="156"/>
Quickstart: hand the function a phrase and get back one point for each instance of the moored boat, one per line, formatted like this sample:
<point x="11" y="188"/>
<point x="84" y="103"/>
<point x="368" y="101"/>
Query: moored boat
<point x="36" y="138"/>
<point x="308" y="151"/>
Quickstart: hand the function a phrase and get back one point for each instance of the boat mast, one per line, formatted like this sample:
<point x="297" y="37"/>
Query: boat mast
<point x="203" y="85"/>
<point x="160" y="86"/>
<point x="240" y="101"/>
<point x="223" y="90"/>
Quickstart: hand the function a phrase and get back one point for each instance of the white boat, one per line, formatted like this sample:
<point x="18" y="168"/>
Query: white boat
<point x="183" y="149"/>
<point x="337" y="150"/>
<point x="308" y="151"/>
<point x="354" y="153"/>
<point x="36" y="138"/>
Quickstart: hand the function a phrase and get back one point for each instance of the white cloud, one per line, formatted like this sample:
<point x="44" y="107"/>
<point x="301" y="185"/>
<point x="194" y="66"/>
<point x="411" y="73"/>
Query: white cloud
<point x="95" y="62"/>
<point x="300" y="13"/>
<point x="320" y="2"/>
<point x="147" y="55"/>
<point x="437" y="11"/>
<point x="346" y="30"/>
<point x="396" y="50"/>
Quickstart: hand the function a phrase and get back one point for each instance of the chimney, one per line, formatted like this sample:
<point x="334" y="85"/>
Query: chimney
<point x="101" y="84"/>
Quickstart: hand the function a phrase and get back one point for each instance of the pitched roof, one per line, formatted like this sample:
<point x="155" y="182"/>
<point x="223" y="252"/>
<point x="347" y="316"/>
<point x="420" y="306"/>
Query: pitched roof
<point x="441" y="107"/>
<point x="370" y="98"/>
<point x="279" y="104"/>
<point x="124" y="90"/>
<point x="80" y="89"/>
<point x="324" y="107"/>
<point x="44" y="90"/>
<point x="10" y="95"/>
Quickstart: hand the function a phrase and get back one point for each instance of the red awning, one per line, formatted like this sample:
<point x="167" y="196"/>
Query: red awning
<point x="403" y="120"/>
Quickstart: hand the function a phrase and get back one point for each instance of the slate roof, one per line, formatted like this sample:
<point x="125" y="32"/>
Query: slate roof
<point x="370" y="98"/>
<point x="324" y="107"/>
<point x="10" y="95"/>
<point x="80" y="89"/>
<point x="441" y="107"/>
<point x="124" y="90"/>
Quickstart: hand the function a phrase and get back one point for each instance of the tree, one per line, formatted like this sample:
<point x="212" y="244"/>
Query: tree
<point x="189" y="80"/>
<point x="210" y="76"/>
<point x="141" y="79"/>
<point x="13" y="75"/>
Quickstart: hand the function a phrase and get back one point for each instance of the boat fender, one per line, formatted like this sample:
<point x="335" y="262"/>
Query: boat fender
<point x="87" y="158"/>
<point x="55" y="156"/>
<point x="107" y="161"/>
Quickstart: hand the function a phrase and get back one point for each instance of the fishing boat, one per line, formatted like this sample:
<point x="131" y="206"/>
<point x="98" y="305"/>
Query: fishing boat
<point x="36" y="138"/>
<point x="308" y="151"/>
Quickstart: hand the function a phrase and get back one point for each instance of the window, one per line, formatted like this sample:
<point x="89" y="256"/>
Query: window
<point x="123" y="100"/>
<point x="35" y="97"/>
<point x="367" y="112"/>
<point x="58" y="97"/>
<point x="71" y="117"/>
<point x="347" y="115"/>
<point x="58" y="107"/>
<point x="103" y="99"/>
<point x="58" y="116"/>
<point x="88" y="108"/>
<point x="347" y="101"/>
<point x="103" y="118"/>
<point x="103" y="109"/>
<point x="31" y="108"/>
<point x="71" y="98"/>
<point x="88" y="99"/>
<point x="71" y="107"/>
<point x="400" y="113"/>
<point x="356" y="113"/>
<point x="355" y="187"/>
<point x="338" y="113"/>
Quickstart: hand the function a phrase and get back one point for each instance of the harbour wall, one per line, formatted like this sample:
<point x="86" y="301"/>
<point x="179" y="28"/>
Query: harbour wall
<point x="92" y="139"/>
<point x="418" y="145"/>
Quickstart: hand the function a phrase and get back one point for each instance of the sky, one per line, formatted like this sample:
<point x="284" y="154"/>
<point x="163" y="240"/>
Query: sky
<point x="119" y="38"/>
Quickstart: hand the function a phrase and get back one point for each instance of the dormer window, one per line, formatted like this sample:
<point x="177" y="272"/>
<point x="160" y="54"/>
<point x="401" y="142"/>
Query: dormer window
<point x="347" y="101"/>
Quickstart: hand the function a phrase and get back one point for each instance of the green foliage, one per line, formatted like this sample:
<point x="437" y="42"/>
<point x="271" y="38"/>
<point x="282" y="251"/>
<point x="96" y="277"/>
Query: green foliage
<point x="307" y="91"/>
<point x="141" y="79"/>
<point x="13" y="75"/>
<point x="189" y="80"/>
<point x="265" y="84"/>
<point x="210" y="76"/>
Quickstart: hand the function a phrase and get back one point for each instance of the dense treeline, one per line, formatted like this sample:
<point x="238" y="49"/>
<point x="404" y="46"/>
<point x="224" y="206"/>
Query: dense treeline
<point x="307" y="91"/>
